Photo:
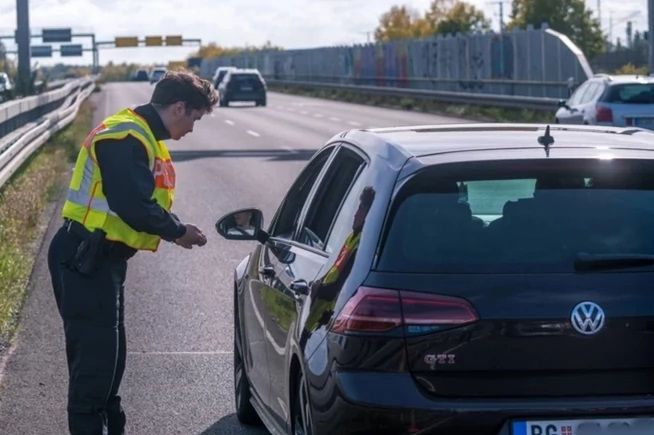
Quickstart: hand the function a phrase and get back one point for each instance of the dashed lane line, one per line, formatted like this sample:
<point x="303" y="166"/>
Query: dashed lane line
<point x="253" y="133"/>
<point x="229" y="122"/>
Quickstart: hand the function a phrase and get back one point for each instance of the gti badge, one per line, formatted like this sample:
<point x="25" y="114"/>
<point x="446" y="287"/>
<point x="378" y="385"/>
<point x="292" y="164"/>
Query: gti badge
<point x="432" y="360"/>
<point x="587" y="318"/>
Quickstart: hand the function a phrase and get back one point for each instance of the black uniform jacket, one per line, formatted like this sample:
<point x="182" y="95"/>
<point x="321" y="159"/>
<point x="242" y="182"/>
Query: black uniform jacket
<point x="128" y="183"/>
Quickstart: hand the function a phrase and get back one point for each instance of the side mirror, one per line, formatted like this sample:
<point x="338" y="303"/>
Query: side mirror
<point x="563" y="103"/>
<point x="244" y="224"/>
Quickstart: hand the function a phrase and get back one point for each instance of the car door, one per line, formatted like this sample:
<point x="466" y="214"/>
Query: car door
<point x="260" y="302"/>
<point x="297" y="264"/>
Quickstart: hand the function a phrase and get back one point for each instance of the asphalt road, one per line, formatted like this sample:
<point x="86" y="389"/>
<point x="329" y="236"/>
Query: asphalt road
<point x="178" y="302"/>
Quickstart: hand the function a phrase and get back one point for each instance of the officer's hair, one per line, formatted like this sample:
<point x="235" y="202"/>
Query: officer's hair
<point x="197" y="93"/>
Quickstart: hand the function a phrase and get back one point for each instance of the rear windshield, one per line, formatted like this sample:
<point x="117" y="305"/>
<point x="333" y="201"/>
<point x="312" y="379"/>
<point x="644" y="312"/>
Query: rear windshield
<point x="519" y="216"/>
<point x="635" y="93"/>
<point x="246" y="80"/>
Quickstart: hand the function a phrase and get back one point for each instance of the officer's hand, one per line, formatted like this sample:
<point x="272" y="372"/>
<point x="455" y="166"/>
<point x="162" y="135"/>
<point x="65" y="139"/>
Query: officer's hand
<point x="192" y="236"/>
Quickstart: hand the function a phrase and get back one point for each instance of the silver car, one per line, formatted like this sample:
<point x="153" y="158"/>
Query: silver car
<point x="620" y="100"/>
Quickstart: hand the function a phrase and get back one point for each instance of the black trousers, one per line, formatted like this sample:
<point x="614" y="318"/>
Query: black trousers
<point x="92" y="310"/>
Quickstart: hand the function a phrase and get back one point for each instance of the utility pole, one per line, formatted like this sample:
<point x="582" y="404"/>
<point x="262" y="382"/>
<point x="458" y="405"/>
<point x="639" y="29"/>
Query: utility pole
<point x="23" y="41"/>
<point x="599" y="12"/>
<point x="650" y="36"/>
<point x="501" y="5"/>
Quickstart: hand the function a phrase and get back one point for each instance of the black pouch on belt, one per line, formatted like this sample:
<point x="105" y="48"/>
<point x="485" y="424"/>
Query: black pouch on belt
<point x="88" y="253"/>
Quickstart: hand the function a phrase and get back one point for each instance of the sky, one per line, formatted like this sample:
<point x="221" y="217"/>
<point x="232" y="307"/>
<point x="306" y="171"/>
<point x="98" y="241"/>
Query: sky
<point x="285" y="23"/>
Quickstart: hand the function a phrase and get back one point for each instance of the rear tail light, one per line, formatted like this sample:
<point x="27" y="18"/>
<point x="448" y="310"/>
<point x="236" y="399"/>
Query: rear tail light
<point x="381" y="310"/>
<point x="603" y="114"/>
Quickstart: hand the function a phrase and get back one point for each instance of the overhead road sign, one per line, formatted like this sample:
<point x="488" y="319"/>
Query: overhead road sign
<point x="71" y="50"/>
<point x="41" y="51"/>
<point x="56" y="35"/>
<point x="126" y="41"/>
<point x="153" y="41"/>
<point x="174" y="40"/>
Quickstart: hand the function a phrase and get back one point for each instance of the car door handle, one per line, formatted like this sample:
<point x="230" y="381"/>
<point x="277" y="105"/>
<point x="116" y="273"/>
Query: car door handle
<point x="267" y="271"/>
<point x="300" y="287"/>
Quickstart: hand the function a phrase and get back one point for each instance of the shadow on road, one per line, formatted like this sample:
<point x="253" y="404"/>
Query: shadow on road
<point x="229" y="425"/>
<point x="273" y="155"/>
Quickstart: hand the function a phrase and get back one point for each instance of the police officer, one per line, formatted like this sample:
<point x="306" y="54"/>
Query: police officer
<point x="119" y="202"/>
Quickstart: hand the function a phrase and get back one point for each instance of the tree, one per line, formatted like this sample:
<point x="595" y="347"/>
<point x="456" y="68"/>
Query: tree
<point x="400" y="22"/>
<point x="443" y="16"/>
<point x="570" y="17"/>
<point x="463" y="18"/>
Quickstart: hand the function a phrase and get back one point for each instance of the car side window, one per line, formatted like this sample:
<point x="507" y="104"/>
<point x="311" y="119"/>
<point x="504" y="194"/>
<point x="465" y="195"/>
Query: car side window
<point x="578" y="94"/>
<point x="590" y="93"/>
<point x="329" y="197"/>
<point x="289" y="211"/>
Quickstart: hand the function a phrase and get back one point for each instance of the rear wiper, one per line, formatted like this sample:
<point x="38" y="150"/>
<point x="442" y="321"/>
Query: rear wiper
<point x="585" y="261"/>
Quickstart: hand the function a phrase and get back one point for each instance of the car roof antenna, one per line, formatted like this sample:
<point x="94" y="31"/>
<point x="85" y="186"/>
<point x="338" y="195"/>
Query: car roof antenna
<point x="546" y="140"/>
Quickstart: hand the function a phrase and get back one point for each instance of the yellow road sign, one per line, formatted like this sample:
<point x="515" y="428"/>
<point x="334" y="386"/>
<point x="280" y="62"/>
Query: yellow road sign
<point x="152" y="41"/>
<point x="126" y="41"/>
<point x="174" y="40"/>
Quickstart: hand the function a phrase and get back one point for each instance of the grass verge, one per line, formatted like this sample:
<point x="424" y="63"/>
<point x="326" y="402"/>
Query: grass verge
<point x="478" y="113"/>
<point x="23" y="201"/>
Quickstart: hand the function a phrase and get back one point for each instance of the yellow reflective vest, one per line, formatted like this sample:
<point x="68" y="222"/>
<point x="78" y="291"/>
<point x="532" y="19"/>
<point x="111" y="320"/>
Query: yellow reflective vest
<point x="86" y="202"/>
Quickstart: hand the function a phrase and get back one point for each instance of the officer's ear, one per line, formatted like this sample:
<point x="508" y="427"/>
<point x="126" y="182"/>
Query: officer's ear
<point x="179" y="108"/>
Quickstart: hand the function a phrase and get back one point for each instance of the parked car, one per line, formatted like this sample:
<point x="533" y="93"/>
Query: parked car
<point x="220" y="73"/>
<point x="157" y="74"/>
<point x="477" y="279"/>
<point x="242" y="85"/>
<point x="6" y="87"/>
<point x="620" y="100"/>
<point x="141" y="76"/>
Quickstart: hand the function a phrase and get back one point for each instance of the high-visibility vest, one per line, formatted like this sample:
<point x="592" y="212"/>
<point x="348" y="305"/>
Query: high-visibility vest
<point x="86" y="202"/>
<point x="351" y="244"/>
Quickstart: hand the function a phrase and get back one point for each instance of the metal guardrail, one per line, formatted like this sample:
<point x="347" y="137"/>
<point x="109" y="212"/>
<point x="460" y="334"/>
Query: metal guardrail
<point x="511" y="101"/>
<point x="21" y="141"/>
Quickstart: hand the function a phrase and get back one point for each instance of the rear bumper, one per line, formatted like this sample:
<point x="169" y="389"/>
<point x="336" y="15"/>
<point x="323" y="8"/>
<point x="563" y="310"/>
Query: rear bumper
<point x="245" y="96"/>
<point x="392" y="403"/>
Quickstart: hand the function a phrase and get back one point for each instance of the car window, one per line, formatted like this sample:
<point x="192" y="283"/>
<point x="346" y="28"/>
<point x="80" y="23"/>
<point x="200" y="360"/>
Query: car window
<point x="286" y="219"/>
<point x="590" y="93"/>
<point x="635" y="93"/>
<point x="578" y="94"/>
<point x="519" y="217"/>
<point x="329" y="197"/>
<point x="245" y="80"/>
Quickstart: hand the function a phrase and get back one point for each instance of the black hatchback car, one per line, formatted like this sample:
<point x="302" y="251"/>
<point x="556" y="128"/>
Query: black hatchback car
<point x="473" y="279"/>
<point x="242" y="85"/>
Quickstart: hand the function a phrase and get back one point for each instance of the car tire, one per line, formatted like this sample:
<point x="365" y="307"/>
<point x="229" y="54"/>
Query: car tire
<point x="301" y="417"/>
<point x="245" y="412"/>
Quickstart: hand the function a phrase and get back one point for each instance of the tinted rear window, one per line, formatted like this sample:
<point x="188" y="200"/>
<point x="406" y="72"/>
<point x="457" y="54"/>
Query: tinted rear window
<point x="519" y="216"/>
<point x="636" y="93"/>
<point x="246" y="80"/>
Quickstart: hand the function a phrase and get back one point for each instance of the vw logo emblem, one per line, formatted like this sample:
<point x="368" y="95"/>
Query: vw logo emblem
<point x="587" y="318"/>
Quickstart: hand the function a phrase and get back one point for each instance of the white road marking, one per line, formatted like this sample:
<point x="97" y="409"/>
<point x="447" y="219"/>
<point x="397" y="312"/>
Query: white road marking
<point x="253" y="133"/>
<point x="354" y="123"/>
<point x="229" y="122"/>
<point x="215" y="352"/>
<point x="304" y="112"/>
<point x="335" y="119"/>
<point x="317" y="115"/>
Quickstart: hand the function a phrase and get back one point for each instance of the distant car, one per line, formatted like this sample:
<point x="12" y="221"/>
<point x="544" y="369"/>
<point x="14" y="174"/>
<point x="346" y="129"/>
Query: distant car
<point x="620" y="100"/>
<point x="6" y="87"/>
<point x="485" y="279"/>
<point x="220" y="73"/>
<point x="157" y="74"/>
<point x="141" y="76"/>
<point x="242" y="85"/>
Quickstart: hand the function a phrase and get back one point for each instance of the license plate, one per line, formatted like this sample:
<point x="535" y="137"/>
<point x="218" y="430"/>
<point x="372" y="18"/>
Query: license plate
<point x="603" y="426"/>
<point x="644" y="123"/>
<point x="246" y="88"/>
